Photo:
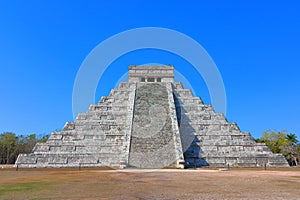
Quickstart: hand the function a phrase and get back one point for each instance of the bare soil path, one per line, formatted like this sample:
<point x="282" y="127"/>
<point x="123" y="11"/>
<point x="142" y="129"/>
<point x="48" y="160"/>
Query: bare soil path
<point x="149" y="184"/>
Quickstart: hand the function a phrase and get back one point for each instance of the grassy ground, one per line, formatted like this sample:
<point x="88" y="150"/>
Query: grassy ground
<point x="94" y="183"/>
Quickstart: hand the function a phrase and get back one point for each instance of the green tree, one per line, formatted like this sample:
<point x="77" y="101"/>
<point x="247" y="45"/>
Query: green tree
<point x="11" y="145"/>
<point x="292" y="149"/>
<point x="8" y="142"/>
<point x="43" y="139"/>
<point x="282" y="142"/>
<point x="275" y="140"/>
<point x="292" y="138"/>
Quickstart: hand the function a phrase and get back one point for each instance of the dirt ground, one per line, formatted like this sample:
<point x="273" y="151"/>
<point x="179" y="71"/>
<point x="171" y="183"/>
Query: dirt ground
<point x="149" y="184"/>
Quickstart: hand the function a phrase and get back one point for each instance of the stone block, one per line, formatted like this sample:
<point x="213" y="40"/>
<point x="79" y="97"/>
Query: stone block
<point x="55" y="136"/>
<point x="41" y="147"/>
<point x="26" y="159"/>
<point x="57" y="158"/>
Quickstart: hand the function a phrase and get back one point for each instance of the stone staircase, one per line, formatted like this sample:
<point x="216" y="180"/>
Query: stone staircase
<point x="153" y="139"/>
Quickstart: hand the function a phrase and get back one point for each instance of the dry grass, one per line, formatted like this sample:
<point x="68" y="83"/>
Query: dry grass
<point x="94" y="183"/>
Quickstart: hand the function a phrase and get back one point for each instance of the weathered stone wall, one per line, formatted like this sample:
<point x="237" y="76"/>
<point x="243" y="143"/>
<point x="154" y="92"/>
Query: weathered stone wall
<point x="99" y="137"/>
<point x="208" y="139"/>
<point x="151" y="74"/>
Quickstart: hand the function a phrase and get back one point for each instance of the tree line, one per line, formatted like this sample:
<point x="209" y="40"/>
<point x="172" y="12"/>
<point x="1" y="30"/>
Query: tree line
<point x="282" y="142"/>
<point x="12" y="145"/>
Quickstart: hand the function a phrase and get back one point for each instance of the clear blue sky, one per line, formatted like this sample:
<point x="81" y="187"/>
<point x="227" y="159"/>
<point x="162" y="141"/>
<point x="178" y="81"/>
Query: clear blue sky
<point x="255" y="45"/>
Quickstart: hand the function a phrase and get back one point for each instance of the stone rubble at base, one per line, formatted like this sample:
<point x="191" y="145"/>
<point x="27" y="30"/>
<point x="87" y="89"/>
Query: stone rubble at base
<point x="151" y="122"/>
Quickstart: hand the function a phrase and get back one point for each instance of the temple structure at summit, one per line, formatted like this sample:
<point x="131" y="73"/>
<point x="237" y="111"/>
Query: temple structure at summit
<point x="151" y="122"/>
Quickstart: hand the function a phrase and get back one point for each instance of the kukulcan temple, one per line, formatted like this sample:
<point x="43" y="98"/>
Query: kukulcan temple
<point x="151" y="122"/>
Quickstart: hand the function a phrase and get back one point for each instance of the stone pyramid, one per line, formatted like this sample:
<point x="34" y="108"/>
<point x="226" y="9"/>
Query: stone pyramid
<point x="150" y="122"/>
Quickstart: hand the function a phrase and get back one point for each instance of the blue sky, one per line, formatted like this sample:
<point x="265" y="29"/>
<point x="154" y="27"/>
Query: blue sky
<point x="255" y="45"/>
